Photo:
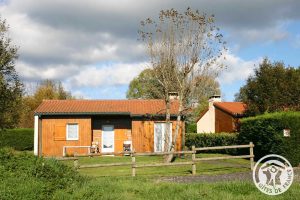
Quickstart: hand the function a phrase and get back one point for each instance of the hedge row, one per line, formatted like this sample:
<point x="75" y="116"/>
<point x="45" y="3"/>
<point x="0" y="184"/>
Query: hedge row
<point x="212" y="139"/>
<point x="266" y="132"/>
<point x="18" y="139"/>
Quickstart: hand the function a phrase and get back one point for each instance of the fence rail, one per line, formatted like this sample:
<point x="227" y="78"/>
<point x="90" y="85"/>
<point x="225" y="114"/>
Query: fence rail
<point x="88" y="148"/>
<point x="135" y="165"/>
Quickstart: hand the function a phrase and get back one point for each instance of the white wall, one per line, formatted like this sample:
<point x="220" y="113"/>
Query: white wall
<point x="207" y="122"/>
<point x="36" y="133"/>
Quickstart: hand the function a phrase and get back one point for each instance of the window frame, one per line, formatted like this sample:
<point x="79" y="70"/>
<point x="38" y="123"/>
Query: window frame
<point x="67" y="131"/>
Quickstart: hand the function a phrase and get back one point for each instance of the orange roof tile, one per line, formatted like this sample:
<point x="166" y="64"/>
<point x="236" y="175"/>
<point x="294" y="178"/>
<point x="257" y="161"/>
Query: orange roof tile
<point x="233" y="108"/>
<point x="134" y="107"/>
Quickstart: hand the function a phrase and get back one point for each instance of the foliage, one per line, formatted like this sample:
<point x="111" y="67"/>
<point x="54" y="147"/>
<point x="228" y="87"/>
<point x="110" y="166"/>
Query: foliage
<point x="10" y="86"/>
<point x="212" y="139"/>
<point x="24" y="176"/>
<point x="191" y="127"/>
<point x="47" y="89"/>
<point x="18" y="139"/>
<point x="266" y="132"/>
<point x="144" y="86"/>
<point x="273" y="87"/>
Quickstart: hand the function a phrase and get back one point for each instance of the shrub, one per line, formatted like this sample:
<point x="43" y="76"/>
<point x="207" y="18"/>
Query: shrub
<point x="19" y="139"/>
<point x="212" y="139"/>
<point x="24" y="176"/>
<point x="266" y="132"/>
<point x="191" y="127"/>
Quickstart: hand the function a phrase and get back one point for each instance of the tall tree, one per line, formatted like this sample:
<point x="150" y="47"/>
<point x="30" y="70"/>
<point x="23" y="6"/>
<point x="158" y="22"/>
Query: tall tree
<point x="144" y="86"/>
<point x="10" y="86"/>
<point x="47" y="89"/>
<point x="182" y="47"/>
<point x="273" y="87"/>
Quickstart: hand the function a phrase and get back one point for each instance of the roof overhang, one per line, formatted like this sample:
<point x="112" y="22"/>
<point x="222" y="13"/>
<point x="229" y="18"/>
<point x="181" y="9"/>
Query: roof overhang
<point x="102" y="114"/>
<point x="81" y="113"/>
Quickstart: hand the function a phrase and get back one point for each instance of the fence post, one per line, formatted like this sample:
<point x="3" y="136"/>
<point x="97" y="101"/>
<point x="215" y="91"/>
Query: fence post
<point x="64" y="151"/>
<point x="133" y="163"/>
<point x="76" y="164"/>
<point x="252" y="156"/>
<point x="193" y="160"/>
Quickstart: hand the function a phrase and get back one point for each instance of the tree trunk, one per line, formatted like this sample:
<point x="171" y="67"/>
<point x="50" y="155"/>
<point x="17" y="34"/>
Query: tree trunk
<point x="167" y="128"/>
<point x="178" y="122"/>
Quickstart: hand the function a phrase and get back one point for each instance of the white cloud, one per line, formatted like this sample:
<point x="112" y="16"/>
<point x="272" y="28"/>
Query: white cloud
<point x="113" y="74"/>
<point x="237" y="69"/>
<point x="71" y="41"/>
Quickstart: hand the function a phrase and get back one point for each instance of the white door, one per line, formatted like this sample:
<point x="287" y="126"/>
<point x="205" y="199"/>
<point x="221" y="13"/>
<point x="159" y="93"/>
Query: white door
<point x="159" y="136"/>
<point x="108" y="138"/>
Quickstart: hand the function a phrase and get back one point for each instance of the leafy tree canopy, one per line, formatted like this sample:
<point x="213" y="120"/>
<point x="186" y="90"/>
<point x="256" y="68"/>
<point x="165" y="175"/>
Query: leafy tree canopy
<point x="10" y="86"/>
<point x="146" y="86"/>
<point x="273" y="87"/>
<point x="47" y="89"/>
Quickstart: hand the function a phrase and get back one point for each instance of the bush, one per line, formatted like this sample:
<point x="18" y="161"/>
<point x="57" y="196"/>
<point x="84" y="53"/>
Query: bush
<point x="212" y="139"/>
<point x="266" y="132"/>
<point x="24" y="176"/>
<point x="19" y="139"/>
<point x="191" y="127"/>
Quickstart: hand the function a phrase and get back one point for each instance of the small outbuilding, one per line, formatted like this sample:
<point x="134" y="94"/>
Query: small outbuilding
<point x="66" y="127"/>
<point x="220" y="116"/>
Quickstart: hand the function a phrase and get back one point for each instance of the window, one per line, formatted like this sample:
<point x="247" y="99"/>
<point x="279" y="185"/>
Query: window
<point x="72" y="131"/>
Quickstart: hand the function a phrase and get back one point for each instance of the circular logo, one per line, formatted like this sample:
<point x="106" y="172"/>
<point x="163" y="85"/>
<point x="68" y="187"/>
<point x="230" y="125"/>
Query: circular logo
<point x="273" y="174"/>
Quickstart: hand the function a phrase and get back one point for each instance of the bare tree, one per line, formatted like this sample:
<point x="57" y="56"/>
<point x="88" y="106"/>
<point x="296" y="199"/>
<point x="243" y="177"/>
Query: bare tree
<point x="182" y="47"/>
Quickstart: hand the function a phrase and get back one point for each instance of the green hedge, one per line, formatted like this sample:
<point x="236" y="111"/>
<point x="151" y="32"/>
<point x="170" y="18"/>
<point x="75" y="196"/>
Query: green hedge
<point x="266" y="132"/>
<point x="19" y="139"/>
<point x="212" y="139"/>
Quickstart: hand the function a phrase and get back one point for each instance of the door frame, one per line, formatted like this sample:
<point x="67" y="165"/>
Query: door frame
<point x="113" y="135"/>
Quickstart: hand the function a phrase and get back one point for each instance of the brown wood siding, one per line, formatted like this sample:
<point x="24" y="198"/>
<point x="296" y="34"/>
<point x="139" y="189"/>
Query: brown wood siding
<point x="143" y="135"/>
<point x="140" y="132"/>
<point x="224" y="122"/>
<point x="54" y="135"/>
<point x="122" y="130"/>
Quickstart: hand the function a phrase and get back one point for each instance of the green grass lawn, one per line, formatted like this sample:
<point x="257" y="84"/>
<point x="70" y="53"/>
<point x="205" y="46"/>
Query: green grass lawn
<point x="203" y="167"/>
<point x="150" y="188"/>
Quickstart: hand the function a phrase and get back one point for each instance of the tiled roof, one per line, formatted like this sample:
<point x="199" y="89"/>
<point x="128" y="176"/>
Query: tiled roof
<point x="233" y="108"/>
<point x="134" y="107"/>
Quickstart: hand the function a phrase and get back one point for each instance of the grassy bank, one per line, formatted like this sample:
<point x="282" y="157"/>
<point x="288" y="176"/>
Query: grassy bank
<point x="19" y="139"/>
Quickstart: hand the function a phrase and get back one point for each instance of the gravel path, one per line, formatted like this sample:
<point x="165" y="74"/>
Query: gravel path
<point x="244" y="176"/>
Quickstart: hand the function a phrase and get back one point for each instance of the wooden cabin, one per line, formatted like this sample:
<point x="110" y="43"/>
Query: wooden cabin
<point x="66" y="127"/>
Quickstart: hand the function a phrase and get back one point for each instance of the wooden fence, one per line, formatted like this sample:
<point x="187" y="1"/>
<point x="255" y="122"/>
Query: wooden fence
<point x="134" y="165"/>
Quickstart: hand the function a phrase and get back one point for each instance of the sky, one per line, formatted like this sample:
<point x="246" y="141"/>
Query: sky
<point x="92" y="46"/>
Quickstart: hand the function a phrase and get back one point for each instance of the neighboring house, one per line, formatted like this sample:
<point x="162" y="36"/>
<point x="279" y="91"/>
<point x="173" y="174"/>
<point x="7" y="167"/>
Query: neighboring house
<point x="109" y="125"/>
<point x="220" y="116"/>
